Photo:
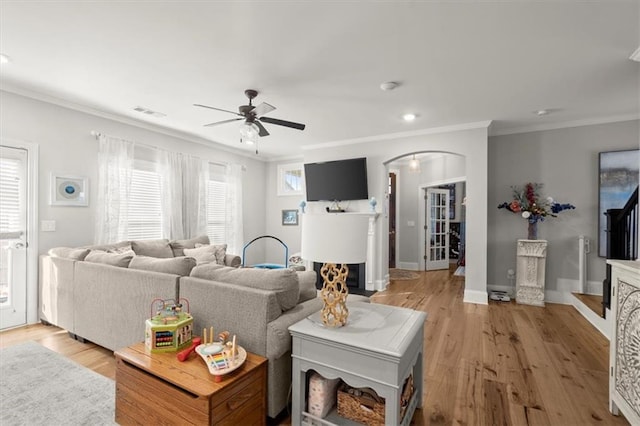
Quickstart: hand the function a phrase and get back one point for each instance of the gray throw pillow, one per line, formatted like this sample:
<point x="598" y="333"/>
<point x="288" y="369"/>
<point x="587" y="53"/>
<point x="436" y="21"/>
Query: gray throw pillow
<point x="113" y="259"/>
<point x="284" y="282"/>
<point x="307" y="283"/>
<point x="179" y="245"/>
<point x="176" y="265"/>
<point x="207" y="253"/>
<point x="152" y="248"/>
<point x="69" y="253"/>
<point x="205" y="271"/>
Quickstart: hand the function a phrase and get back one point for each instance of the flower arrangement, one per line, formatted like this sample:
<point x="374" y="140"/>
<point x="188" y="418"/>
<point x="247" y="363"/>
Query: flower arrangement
<point x="533" y="207"/>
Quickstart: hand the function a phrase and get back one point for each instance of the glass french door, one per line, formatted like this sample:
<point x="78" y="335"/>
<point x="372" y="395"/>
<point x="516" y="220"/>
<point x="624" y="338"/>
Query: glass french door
<point x="436" y="232"/>
<point x="13" y="237"/>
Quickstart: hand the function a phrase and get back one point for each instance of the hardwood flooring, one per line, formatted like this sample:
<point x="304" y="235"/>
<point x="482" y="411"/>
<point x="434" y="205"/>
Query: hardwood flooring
<point x="592" y="301"/>
<point x="500" y="364"/>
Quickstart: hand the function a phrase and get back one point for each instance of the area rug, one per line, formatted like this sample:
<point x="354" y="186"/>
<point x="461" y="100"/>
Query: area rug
<point x="402" y="274"/>
<point x="41" y="387"/>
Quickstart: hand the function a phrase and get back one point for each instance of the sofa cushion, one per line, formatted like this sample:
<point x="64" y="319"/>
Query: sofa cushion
<point x="176" y="265"/>
<point x="307" y="283"/>
<point x="152" y="248"/>
<point x="69" y="253"/>
<point x="207" y="253"/>
<point x="284" y="282"/>
<point x="179" y="245"/>
<point x="111" y="248"/>
<point x="113" y="259"/>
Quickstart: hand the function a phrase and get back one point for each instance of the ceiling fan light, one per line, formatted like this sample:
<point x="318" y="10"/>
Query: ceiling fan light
<point x="414" y="165"/>
<point x="249" y="132"/>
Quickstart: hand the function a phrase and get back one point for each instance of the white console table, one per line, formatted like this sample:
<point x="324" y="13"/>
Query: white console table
<point x="379" y="347"/>
<point x="624" y="347"/>
<point x="530" y="275"/>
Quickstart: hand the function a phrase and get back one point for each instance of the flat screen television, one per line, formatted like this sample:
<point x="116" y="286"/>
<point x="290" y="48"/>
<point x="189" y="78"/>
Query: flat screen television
<point x="339" y="180"/>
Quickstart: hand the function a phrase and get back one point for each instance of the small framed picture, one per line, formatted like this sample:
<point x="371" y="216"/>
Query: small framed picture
<point x="290" y="217"/>
<point x="69" y="190"/>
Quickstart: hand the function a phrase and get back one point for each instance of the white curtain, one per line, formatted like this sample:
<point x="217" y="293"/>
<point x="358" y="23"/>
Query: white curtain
<point x="184" y="195"/>
<point x="195" y="175"/>
<point x="115" y="168"/>
<point x="233" y="227"/>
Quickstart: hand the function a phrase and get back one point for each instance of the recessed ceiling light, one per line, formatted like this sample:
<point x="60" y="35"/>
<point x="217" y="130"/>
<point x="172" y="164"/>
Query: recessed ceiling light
<point x="4" y="59"/>
<point x="409" y="117"/>
<point x="389" y="85"/>
<point x="542" y="112"/>
<point x="635" y="56"/>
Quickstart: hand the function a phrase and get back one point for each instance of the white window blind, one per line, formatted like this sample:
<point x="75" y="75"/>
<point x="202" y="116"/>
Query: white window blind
<point x="216" y="211"/>
<point x="10" y="217"/>
<point x="145" y="211"/>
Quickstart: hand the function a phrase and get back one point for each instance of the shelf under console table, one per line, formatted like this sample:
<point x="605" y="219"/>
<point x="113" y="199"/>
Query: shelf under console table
<point x="624" y="347"/>
<point x="379" y="347"/>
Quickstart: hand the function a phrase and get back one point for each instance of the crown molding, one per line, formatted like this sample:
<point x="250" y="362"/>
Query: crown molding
<point x="564" y="124"/>
<point x="386" y="137"/>
<point x="125" y="120"/>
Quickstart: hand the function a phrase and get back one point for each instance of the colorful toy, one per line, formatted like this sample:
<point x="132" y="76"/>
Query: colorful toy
<point x="170" y="329"/>
<point x="183" y="355"/>
<point x="221" y="357"/>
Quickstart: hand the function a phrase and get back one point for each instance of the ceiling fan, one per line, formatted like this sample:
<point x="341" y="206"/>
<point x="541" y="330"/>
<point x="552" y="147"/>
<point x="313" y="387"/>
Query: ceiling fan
<point x="253" y="117"/>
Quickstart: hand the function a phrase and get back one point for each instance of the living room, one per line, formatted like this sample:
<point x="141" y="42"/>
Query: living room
<point x="547" y="125"/>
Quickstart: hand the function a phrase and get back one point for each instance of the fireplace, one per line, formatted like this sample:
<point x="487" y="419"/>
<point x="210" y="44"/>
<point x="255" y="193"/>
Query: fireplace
<point x="355" y="278"/>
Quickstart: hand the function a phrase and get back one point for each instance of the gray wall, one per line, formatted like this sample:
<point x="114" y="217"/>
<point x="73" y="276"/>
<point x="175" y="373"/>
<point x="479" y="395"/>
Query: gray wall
<point x="566" y="161"/>
<point x="66" y="146"/>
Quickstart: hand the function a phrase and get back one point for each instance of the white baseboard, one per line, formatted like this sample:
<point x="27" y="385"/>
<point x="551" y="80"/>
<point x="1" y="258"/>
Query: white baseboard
<point x="604" y="325"/>
<point x="475" y="296"/>
<point x="411" y="266"/>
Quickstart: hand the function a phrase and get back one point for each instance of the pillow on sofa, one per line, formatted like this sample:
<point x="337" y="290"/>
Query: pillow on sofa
<point x="284" y="282"/>
<point x="113" y="259"/>
<point x="111" y="248"/>
<point x="205" y="271"/>
<point x="152" y="248"/>
<point x="69" y="253"/>
<point x="176" y="265"/>
<point x="206" y="253"/>
<point x="307" y="283"/>
<point x="179" y="245"/>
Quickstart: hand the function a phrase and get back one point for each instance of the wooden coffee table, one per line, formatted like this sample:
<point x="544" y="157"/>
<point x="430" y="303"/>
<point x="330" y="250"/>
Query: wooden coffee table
<point x="157" y="388"/>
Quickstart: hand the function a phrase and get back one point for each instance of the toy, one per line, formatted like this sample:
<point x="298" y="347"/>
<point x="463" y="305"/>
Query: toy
<point x="221" y="357"/>
<point x="183" y="355"/>
<point x="170" y="329"/>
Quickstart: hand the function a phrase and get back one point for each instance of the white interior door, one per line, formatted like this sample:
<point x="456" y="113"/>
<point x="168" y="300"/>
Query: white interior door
<point x="436" y="231"/>
<point x="13" y="237"/>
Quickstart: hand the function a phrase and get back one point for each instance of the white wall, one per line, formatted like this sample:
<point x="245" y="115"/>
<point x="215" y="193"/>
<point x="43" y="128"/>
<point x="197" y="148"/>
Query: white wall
<point x="470" y="143"/>
<point x="566" y="162"/>
<point x="65" y="143"/>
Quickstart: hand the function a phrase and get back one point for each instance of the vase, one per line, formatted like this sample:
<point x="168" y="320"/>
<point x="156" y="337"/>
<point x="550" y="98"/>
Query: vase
<point x="532" y="231"/>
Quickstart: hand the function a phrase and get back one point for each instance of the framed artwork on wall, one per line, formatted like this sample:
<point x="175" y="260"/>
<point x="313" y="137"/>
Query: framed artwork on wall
<point x="291" y="179"/>
<point x="617" y="180"/>
<point x="68" y="190"/>
<point x="290" y="217"/>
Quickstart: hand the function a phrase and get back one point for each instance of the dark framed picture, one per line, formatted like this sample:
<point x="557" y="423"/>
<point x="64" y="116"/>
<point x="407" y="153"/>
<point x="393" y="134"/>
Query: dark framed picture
<point x="618" y="179"/>
<point x="290" y="217"/>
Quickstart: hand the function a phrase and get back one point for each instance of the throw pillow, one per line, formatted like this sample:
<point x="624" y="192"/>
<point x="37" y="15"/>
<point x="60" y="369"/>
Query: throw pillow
<point x="307" y="282"/>
<point x="69" y="253"/>
<point x="284" y="282"/>
<point x="176" y="265"/>
<point x="205" y="271"/>
<point x="178" y="246"/>
<point x="206" y="253"/>
<point x="152" y="248"/>
<point x="113" y="259"/>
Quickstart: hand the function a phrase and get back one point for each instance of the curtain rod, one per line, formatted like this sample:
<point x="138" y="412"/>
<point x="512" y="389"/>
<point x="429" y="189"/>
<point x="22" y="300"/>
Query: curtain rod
<point x="96" y="134"/>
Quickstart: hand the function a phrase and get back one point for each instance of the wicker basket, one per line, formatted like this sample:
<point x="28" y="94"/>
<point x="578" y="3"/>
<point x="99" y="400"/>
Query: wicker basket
<point x="360" y="405"/>
<point x="405" y="397"/>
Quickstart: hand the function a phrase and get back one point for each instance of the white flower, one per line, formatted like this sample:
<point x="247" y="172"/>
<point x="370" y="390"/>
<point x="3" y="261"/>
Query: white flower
<point x="549" y="200"/>
<point x="526" y="215"/>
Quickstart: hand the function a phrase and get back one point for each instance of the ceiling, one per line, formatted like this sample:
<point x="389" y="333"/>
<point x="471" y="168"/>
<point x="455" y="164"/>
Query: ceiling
<point x="321" y="63"/>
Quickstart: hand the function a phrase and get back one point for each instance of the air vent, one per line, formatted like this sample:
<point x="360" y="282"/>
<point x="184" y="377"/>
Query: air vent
<point x="147" y="111"/>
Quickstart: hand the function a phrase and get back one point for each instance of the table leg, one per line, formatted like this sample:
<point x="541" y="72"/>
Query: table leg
<point x="417" y="379"/>
<point x="392" y="407"/>
<point x="298" y="387"/>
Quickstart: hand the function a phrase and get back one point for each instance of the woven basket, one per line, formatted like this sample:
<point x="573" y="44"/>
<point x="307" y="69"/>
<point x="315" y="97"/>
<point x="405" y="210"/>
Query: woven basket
<point x="360" y="405"/>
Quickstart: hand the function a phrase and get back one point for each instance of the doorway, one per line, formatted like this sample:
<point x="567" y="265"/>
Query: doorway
<point x="436" y="229"/>
<point x="392" y="218"/>
<point x="18" y="247"/>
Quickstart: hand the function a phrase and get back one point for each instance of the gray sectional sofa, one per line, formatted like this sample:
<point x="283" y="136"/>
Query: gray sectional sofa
<point x="103" y="294"/>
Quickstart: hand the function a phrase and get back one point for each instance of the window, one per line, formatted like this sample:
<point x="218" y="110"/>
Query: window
<point x="291" y="179"/>
<point x="216" y="204"/>
<point x="144" y="209"/>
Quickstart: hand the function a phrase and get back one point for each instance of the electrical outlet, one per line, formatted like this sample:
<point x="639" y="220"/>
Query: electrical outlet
<point x="411" y="223"/>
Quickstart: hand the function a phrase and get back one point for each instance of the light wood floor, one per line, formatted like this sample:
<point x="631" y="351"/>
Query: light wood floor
<point x="501" y="364"/>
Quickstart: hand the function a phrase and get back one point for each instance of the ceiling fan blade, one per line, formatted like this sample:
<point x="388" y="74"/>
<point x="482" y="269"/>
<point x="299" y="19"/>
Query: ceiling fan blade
<point x="284" y="123"/>
<point x="222" y="122"/>
<point x="218" y="109"/>
<point x="263" y="131"/>
<point x="263" y="109"/>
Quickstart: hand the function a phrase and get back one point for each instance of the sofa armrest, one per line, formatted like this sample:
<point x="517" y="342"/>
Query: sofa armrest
<point x="240" y="310"/>
<point x="232" y="260"/>
<point x="278" y="337"/>
<point x="56" y="291"/>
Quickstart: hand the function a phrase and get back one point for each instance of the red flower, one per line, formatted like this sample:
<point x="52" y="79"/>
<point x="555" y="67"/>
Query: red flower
<point x="515" y="206"/>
